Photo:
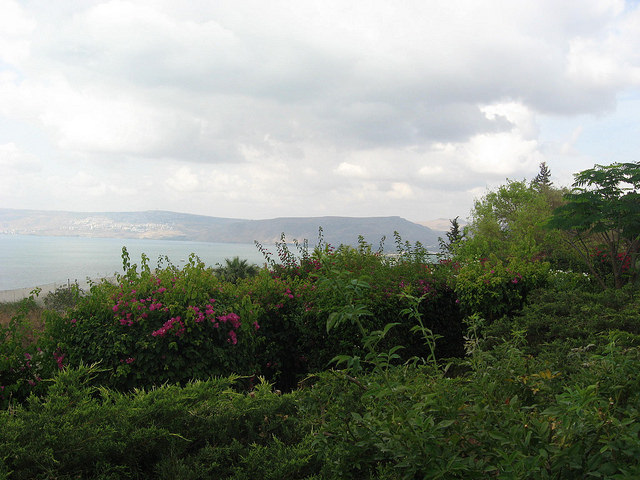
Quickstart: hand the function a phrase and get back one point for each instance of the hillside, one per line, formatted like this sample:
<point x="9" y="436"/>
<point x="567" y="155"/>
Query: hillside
<point x="180" y="226"/>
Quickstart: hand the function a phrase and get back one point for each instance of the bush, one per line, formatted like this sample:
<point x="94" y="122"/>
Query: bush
<point x="63" y="297"/>
<point x="510" y="416"/>
<point x="170" y="326"/>
<point x="23" y="364"/>
<point x="570" y="318"/>
<point x="202" y="430"/>
<point x="494" y="288"/>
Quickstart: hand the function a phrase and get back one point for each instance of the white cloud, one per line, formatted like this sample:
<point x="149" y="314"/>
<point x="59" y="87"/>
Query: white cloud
<point x="15" y="31"/>
<point x="13" y="158"/>
<point x="297" y="108"/>
<point x="400" y="190"/>
<point x="183" y="180"/>
<point x="350" y="170"/>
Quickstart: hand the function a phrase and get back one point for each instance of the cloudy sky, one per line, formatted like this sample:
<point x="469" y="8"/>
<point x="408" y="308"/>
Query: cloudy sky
<point x="257" y="109"/>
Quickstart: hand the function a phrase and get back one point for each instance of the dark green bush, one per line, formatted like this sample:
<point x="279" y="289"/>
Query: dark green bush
<point x="23" y="364"/>
<point x="493" y="288"/>
<point x="510" y="416"/>
<point x="570" y="318"/>
<point x="204" y="429"/>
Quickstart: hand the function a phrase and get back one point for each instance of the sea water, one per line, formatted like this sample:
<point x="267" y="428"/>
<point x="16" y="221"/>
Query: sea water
<point x="29" y="261"/>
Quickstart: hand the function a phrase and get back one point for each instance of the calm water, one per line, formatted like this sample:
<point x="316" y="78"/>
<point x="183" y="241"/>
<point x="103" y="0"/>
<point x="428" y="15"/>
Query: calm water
<point x="27" y="261"/>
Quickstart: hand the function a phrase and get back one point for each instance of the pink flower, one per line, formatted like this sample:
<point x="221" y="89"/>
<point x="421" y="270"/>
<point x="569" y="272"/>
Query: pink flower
<point x="59" y="357"/>
<point x="155" y="306"/>
<point x="232" y="318"/>
<point x="233" y="339"/>
<point x="126" y="322"/>
<point x="255" y="325"/>
<point x="168" y="325"/>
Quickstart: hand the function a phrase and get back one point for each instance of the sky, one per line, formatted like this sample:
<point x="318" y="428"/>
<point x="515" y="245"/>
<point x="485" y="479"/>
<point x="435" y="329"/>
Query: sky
<point x="254" y="109"/>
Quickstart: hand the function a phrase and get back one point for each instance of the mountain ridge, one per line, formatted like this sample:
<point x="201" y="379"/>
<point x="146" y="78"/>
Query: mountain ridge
<point x="167" y="225"/>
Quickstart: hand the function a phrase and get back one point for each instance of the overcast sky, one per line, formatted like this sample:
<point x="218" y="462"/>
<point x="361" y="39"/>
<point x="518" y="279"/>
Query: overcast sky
<point x="262" y="109"/>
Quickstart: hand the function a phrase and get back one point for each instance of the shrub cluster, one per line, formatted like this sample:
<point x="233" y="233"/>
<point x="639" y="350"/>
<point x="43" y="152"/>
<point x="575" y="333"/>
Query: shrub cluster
<point x="175" y="325"/>
<point x="447" y="369"/>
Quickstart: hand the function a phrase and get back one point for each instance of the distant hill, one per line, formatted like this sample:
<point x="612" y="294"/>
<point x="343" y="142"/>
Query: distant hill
<point x="180" y="226"/>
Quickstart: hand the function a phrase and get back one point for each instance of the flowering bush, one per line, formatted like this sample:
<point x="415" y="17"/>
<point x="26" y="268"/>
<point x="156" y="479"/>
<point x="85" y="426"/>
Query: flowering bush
<point x="603" y="266"/>
<point x="169" y="326"/>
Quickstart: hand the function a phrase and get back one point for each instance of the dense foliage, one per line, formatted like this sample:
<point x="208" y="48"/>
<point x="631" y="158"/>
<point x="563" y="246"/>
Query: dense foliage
<point x="504" y="358"/>
<point x="602" y="215"/>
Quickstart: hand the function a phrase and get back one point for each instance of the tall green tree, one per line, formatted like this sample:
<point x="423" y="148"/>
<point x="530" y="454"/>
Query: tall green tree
<point x="602" y="211"/>
<point x="542" y="180"/>
<point x="509" y="222"/>
<point x="454" y="237"/>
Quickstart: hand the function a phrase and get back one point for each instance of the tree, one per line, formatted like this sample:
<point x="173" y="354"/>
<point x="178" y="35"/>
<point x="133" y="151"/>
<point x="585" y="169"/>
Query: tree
<point x="542" y="180"/>
<point x="454" y="236"/>
<point x="603" y="211"/>
<point x="509" y="222"/>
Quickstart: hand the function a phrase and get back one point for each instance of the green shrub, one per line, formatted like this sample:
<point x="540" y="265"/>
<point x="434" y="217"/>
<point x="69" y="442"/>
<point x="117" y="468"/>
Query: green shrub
<point x="23" y="364"/>
<point x="494" y="288"/>
<point x="204" y="429"/>
<point x="63" y="297"/>
<point x="509" y="416"/>
<point x="293" y="307"/>
<point x="570" y="318"/>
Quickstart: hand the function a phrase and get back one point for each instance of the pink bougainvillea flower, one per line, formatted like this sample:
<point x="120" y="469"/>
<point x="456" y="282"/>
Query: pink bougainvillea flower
<point x="232" y="318"/>
<point x="168" y="325"/>
<point x="59" y="357"/>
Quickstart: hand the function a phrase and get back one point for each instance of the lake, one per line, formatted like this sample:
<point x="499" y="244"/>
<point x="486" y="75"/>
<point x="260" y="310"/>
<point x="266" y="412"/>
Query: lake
<point x="28" y="260"/>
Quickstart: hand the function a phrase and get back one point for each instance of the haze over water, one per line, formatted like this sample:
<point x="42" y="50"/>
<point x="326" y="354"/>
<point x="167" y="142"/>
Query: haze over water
<point x="29" y="261"/>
